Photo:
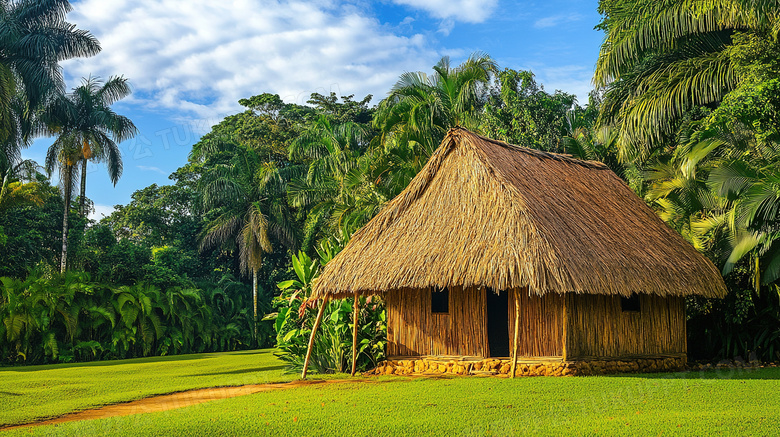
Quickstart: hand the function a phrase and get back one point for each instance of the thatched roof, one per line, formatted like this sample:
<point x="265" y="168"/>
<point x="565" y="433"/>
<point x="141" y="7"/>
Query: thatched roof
<point x="487" y="213"/>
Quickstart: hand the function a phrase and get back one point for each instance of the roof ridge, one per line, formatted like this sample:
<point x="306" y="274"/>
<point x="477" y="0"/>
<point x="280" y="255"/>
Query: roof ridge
<point x="561" y="157"/>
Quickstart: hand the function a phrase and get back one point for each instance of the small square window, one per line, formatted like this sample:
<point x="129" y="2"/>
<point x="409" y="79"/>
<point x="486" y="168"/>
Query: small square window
<point x="630" y="304"/>
<point x="440" y="301"/>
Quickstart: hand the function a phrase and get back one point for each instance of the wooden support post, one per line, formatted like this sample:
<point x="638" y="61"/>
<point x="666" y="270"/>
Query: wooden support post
<point x="355" y="316"/>
<point x="565" y="326"/>
<point x="517" y="332"/>
<point x="311" y="339"/>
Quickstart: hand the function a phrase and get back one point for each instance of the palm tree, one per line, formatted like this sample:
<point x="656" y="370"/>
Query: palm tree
<point x="12" y="166"/>
<point x="17" y="179"/>
<point x="752" y="188"/>
<point x="349" y="178"/>
<point x="661" y="59"/>
<point x="420" y="108"/>
<point x="721" y="191"/>
<point x="342" y="186"/>
<point x="87" y="129"/>
<point x="64" y="156"/>
<point x="99" y="128"/>
<point x="34" y="38"/>
<point x="247" y="216"/>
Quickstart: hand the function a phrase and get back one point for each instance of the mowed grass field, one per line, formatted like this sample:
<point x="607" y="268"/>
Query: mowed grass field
<point x="726" y="402"/>
<point x="35" y="392"/>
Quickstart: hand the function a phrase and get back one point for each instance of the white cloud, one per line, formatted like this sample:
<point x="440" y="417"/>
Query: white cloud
<point x="469" y="11"/>
<point x="101" y="211"/>
<point x="154" y="169"/>
<point x="406" y="23"/>
<point x="202" y="56"/>
<point x="556" y="20"/>
<point x="446" y="26"/>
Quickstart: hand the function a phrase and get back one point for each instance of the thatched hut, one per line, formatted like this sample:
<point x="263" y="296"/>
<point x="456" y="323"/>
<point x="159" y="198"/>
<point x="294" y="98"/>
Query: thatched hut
<point x="494" y="247"/>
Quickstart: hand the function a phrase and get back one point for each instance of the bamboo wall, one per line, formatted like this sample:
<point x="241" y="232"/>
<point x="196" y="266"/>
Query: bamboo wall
<point x="541" y="324"/>
<point x="597" y="327"/>
<point x="412" y="330"/>
<point x="574" y="326"/>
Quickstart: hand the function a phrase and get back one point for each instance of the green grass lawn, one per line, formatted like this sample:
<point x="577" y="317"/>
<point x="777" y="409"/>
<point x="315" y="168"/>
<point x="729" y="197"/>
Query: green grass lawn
<point x="35" y="392"/>
<point x="729" y="402"/>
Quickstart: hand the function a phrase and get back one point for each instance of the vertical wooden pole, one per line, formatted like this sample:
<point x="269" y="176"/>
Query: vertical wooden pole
<point x="517" y="332"/>
<point x="565" y="335"/>
<point x="681" y="312"/>
<point x="311" y="339"/>
<point x="355" y="315"/>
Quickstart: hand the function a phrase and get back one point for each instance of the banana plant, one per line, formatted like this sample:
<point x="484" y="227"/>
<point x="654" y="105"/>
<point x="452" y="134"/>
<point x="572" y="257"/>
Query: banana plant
<point x="306" y="270"/>
<point x="137" y="307"/>
<point x="18" y="320"/>
<point x="68" y="317"/>
<point x="333" y="345"/>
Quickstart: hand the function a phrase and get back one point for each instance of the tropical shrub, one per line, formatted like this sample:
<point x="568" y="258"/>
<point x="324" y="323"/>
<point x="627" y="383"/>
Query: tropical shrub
<point x="69" y="317"/>
<point x="332" y="349"/>
<point x="745" y="323"/>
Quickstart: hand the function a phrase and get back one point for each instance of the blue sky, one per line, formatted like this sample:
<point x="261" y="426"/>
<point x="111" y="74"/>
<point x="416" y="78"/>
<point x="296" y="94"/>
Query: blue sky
<point x="190" y="61"/>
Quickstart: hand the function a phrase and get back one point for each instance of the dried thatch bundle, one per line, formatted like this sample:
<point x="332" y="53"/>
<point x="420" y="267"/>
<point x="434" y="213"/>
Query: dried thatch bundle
<point x="487" y="213"/>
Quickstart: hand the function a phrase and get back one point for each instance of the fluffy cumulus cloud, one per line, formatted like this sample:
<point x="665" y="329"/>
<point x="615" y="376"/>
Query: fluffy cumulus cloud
<point x="202" y="56"/>
<point x="469" y="11"/>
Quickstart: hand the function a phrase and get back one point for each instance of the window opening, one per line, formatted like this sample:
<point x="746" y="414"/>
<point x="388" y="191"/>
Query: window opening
<point x="630" y="304"/>
<point x="440" y="301"/>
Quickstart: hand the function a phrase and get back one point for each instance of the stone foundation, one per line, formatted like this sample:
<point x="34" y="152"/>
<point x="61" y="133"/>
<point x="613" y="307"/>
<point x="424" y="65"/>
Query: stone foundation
<point x="498" y="367"/>
<point x="640" y="365"/>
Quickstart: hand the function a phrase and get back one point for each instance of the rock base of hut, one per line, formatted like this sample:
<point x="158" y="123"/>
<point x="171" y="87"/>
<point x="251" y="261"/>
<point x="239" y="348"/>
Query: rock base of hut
<point x="502" y="367"/>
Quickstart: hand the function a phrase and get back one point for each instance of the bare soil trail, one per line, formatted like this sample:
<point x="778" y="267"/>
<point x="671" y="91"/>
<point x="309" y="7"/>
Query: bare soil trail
<point x="175" y="400"/>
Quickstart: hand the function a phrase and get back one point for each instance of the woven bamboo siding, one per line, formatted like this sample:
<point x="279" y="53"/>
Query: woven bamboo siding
<point x="597" y="327"/>
<point x="413" y="331"/>
<point x="408" y="313"/>
<point x="541" y="324"/>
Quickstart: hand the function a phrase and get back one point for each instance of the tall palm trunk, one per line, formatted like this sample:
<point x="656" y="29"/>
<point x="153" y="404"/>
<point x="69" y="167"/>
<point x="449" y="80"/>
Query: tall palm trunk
<point x="254" y="305"/>
<point x="67" y="177"/>
<point x="4" y="188"/>
<point x="83" y="193"/>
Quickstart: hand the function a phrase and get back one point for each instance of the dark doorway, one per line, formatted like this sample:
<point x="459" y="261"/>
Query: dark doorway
<point x="498" y="323"/>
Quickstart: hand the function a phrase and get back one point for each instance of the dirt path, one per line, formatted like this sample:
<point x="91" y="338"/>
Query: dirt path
<point x="172" y="401"/>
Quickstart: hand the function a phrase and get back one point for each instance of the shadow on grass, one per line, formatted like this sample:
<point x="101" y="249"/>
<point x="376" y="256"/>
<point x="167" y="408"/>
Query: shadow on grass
<point x="8" y="393"/>
<point x="766" y="373"/>
<point x="252" y="352"/>
<point x="241" y="371"/>
<point x="108" y="363"/>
